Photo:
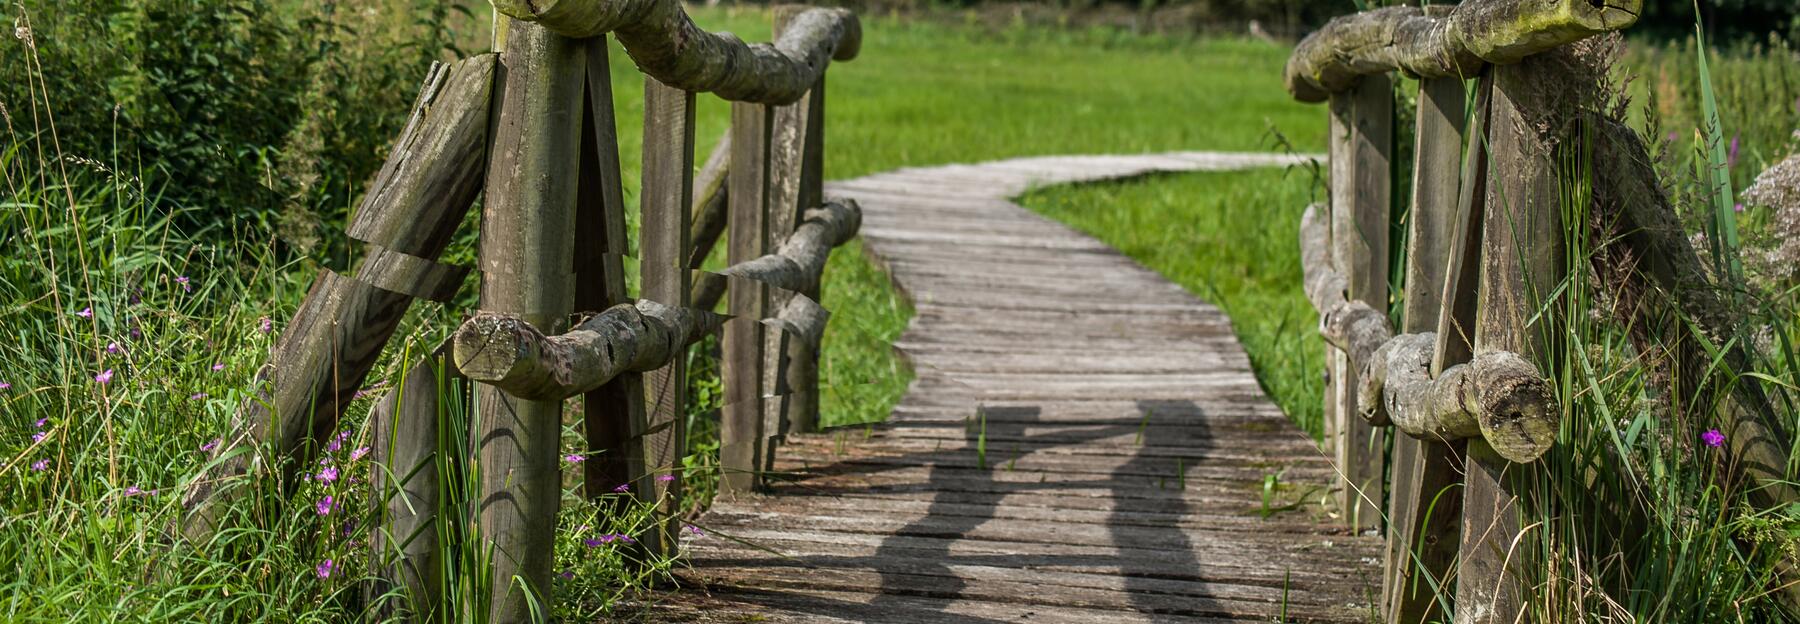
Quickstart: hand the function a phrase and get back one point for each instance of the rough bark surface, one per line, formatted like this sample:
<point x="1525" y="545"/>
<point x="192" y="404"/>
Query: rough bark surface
<point x="667" y="45"/>
<point x="799" y="263"/>
<point x="1435" y="42"/>
<point x="508" y="353"/>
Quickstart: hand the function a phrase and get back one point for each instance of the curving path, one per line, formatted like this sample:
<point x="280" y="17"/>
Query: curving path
<point x="1084" y="443"/>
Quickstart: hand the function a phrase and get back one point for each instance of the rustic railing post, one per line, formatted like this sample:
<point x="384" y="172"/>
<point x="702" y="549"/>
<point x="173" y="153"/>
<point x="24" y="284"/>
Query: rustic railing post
<point x="663" y="234"/>
<point x="527" y="239"/>
<point x="410" y="460"/>
<point x="1521" y="266"/>
<point x="1422" y="518"/>
<point x="1361" y="145"/>
<point x="741" y="428"/>
<point x="609" y="411"/>
<point x="796" y="179"/>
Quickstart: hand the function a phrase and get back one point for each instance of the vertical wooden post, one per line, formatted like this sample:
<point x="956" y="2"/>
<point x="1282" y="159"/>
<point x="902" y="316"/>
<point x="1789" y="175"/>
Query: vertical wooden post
<point x="1521" y="265"/>
<point x="411" y="452"/>
<point x="600" y="250"/>
<point x="1422" y="528"/>
<point x="741" y="427"/>
<point x="527" y="239"/>
<point x="667" y="189"/>
<point x="797" y="182"/>
<point x="1362" y="142"/>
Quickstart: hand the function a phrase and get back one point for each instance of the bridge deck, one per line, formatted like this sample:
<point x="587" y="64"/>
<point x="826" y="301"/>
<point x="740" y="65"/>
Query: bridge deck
<point x="1085" y="443"/>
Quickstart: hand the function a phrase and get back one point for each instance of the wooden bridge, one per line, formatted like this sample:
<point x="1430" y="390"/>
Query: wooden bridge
<point x="1084" y="442"/>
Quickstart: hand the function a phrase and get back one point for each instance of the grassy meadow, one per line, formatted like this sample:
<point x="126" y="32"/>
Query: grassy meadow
<point x="151" y="252"/>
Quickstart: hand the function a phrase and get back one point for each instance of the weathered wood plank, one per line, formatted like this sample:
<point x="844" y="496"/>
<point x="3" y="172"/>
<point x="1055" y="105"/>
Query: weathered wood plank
<point x="664" y="234"/>
<point x="410" y="459"/>
<point x="527" y="257"/>
<point x="1362" y="146"/>
<point x="741" y="427"/>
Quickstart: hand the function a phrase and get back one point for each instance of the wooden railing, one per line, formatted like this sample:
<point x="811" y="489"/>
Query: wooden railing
<point x="1480" y="307"/>
<point x="531" y="131"/>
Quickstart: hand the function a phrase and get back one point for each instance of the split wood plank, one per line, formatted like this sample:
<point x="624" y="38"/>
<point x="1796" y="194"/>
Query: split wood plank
<point x="668" y="178"/>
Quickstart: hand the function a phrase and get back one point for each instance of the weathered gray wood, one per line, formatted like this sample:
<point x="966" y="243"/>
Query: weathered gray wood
<point x="1438" y="42"/>
<point x="663" y="233"/>
<point x="798" y="266"/>
<point x="1078" y="481"/>
<point x="409" y="215"/>
<point x="741" y="431"/>
<point x="1362" y="145"/>
<point x="667" y="45"/>
<point x="1423" y="531"/>
<point x="510" y="354"/>
<point x="712" y="195"/>
<point x="796" y="180"/>
<point x="1521" y="265"/>
<point x="601" y="247"/>
<point x="527" y="254"/>
<point x="409" y="458"/>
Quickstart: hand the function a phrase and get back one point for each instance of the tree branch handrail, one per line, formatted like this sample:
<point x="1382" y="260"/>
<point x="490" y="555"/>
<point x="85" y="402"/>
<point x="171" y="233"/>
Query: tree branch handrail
<point x="800" y="261"/>
<point x="667" y="45"/>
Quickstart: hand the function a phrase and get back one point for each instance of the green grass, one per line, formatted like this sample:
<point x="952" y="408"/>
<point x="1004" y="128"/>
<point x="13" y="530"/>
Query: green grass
<point x="1229" y="238"/>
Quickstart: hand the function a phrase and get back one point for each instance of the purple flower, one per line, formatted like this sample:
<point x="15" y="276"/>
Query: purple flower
<point x="592" y="542"/>
<point x="623" y="487"/>
<point x="695" y="531"/>
<point x="136" y="334"/>
<point x="197" y="396"/>
<point x="333" y="446"/>
<point x="567" y="575"/>
<point x="265" y="325"/>
<point x="209" y="446"/>
<point x="5" y="386"/>
<point x="665" y="478"/>
<point x="114" y="348"/>
<point x="104" y="377"/>
<point x="328" y="475"/>
<point x="323" y="569"/>
<point x="133" y="490"/>
<point x="574" y="458"/>
<point x="359" y="453"/>
<point x="1731" y="153"/>
<point x="1713" y="438"/>
<point x="323" y="506"/>
<point x="40" y="423"/>
<point x="218" y="367"/>
<point x="87" y="312"/>
<point x="1738" y="208"/>
<point x="40" y="465"/>
<point x="1673" y="137"/>
<point x="185" y="286"/>
<point x="37" y="437"/>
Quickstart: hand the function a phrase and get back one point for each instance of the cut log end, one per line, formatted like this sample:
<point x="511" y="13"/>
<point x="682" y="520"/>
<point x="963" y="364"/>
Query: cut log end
<point x="495" y="348"/>
<point x="1519" y="414"/>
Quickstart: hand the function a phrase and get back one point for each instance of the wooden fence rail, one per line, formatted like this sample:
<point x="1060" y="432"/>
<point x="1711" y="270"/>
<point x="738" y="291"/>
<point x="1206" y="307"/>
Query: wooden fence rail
<point x="1481" y="307"/>
<point x="539" y="115"/>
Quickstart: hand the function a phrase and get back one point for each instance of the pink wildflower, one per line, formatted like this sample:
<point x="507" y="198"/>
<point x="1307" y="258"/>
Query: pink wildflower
<point x="185" y="286"/>
<point x="323" y="569"/>
<point x="695" y="531"/>
<point x="218" y="367"/>
<point x="1713" y="438"/>
<point x="37" y="437"/>
<point x="623" y="487"/>
<point x="40" y="423"/>
<point x="197" y="396"/>
<point x="114" y="348"/>
<point x="40" y="465"/>
<point x="323" y="506"/>
<point x="567" y="575"/>
<point x="359" y="453"/>
<point x="666" y="478"/>
<point x="133" y="490"/>
<point x="592" y="543"/>
<point x="87" y="312"/>
<point x="265" y="325"/>
<point x="328" y="475"/>
<point x="209" y="446"/>
<point x="104" y="377"/>
<point x="574" y="458"/>
<point x="5" y="386"/>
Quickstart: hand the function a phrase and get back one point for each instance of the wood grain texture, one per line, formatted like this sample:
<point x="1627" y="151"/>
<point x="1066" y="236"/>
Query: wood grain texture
<point x="1112" y="474"/>
<point x="600" y="251"/>
<point x="1361" y="151"/>
<point x="324" y="354"/>
<point x="664" y="234"/>
<point x="1439" y="42"/>
<point x="712" y="197"/>
<point x="409" y="442"/>
<point x="669" y="47"/>
<point x="741" y="433"/>
<point x="509" y="353"/>
<point x="527" y="260"/>
<point x="796" y="179"/>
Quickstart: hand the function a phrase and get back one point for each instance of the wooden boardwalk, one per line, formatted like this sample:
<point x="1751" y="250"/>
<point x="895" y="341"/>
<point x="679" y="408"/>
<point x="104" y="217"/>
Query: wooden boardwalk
<point x="1084" y="443"/>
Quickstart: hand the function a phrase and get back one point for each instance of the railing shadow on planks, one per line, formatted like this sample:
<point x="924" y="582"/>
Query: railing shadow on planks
<point x="530" y="130"/>
<point x="1484" y="253"/>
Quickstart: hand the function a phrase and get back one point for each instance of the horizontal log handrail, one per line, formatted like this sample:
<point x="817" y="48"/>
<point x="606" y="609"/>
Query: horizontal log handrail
<point x="1499" y="397"/>
<point x="667" y="45"/>
<point x="1437" y="42"/>
<point x="799" y="263"/>
<point x="510" y="354"/>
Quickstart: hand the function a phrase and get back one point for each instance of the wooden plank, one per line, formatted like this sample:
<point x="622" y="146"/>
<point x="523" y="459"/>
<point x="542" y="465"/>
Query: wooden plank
<point x="1422" y="529"/>
<point x="712" y="195"/>
<point x="742" y="436"/>
<point x="667" y="191"/>
<point x="796" y="180"/>
<point x="1521" y="264"/>
<point x="1360" y="203"/>
<point x="609" y="411"/>
<point x="527" y="252"/>
<point x="413" y="452"/>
